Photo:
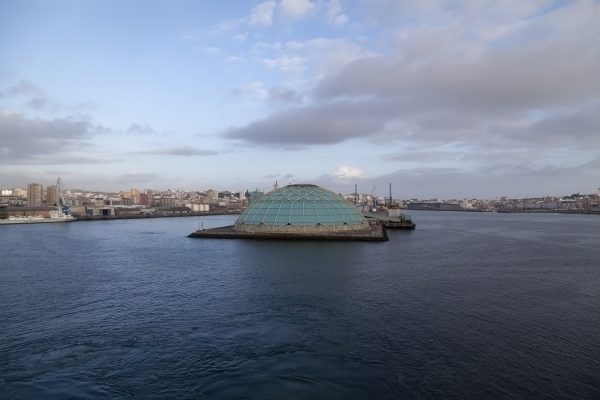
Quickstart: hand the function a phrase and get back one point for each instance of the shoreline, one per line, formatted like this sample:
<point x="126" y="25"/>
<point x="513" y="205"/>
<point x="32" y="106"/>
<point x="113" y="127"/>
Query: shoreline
<point x="375" y="233"/>
<point x="148" y="216"/>
<point x="583" y="212"/>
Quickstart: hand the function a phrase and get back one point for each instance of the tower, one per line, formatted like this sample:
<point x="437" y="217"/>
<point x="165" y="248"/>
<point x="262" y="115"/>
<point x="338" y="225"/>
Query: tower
<point x="52" y="195"/>
<point x="34" y="194"/>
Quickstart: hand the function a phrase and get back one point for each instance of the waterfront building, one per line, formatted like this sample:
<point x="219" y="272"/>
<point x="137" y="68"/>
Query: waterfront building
<point x="300" y="208"/>
<point x="52" y="195"/>
<point x="34" y="194"/>
<point x="300" y="212"/>
<point x="167" y="201"/>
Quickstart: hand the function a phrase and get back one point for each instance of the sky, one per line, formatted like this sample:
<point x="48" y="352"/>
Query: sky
<point x="442" y="99"/>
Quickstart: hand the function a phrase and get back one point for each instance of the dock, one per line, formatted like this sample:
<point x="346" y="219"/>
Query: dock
<point x="375" y="233"/>
<point x="402" y="221"/>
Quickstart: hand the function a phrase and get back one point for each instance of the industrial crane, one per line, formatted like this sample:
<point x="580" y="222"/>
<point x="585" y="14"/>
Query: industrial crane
<point x="61" y="198"/>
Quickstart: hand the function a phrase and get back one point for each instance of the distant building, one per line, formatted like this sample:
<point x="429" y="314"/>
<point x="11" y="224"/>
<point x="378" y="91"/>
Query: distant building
<point x="212" y="195"/>
<point x="302" y="209"/>
<point x="34" y="194"/>
<point x="434" y="205"/>
<point x="254" y="196"/>
<point x="167" y="201"/>
<point x="52" y="195"/>
<point x="134" y="195"/>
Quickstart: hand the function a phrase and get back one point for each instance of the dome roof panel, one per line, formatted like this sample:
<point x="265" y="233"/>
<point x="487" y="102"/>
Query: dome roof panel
<point x="300" y="207"/>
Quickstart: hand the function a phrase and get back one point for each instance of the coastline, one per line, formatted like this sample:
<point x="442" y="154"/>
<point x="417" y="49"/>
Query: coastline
<point x="523" y="211"/>
<point x="115" y="217"/>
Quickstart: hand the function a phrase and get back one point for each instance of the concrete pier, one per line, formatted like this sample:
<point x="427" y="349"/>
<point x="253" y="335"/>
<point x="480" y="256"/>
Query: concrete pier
<point x="375" y="233"/>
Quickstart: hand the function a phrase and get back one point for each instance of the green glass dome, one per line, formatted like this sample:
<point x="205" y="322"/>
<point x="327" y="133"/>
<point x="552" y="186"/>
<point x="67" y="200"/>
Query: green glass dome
<point x="300" y="208"/>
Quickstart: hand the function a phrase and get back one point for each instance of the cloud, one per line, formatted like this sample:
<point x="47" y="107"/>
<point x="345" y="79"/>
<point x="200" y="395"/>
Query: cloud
<point x="233" y="59"/>
<point x="23" y="88"/>
<point x="252" y="89"/>
<point x="317" y="57"/>
<point x="523" y="180"/>
<point x="284" y="95"/>
<point x="214" y="51"/>
<point x="68" y="159"/>
<point x="286" y="63"/>
<point x="139" y="129"/>
<point x="347" y="172"/>
<point x="496" y="83"/>
<point x="295" y="9"/>
<point x="84" y="106"/>
<point x="277" y="94"/>
<point x="37" y="103"/>
<point x="335" y="14"/>
<point x="262" y="14"/>
<point x="38" y="99"/>
<point x="186" y="151"/>
<point x="422" y="156"/>
<point x="240" y="37"/>
<point x="325" y="124"/>
<point x="480" y="79"/>
<point x="287" y="10"/>
<point x="328" y="56"/>
<point x="24" y="138"/>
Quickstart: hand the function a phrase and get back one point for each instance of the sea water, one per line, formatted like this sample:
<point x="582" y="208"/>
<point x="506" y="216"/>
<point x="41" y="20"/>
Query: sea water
<point x="469" y="305"/>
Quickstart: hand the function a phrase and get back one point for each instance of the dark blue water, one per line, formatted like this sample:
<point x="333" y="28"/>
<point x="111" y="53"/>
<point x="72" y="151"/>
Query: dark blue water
<point x="467" y="306"/>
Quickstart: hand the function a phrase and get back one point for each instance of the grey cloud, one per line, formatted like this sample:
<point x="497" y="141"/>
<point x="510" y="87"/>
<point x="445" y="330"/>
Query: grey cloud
<point x="575" y="129"/>
<point x="23" y="88"/>
<point x="444" y="121"/>
<point x="37" y="103"/>
<point x="494" y="181"/>
<point x="25" y="138"/>
<point x="423" y="156"/>
<point x="498" y="84"/>
<point x="519" y="80"/>
<point x="186" y="151"/>
<point x="579" y="127"/>
<point x="326" y="124"/>
<point x="284" y="95"/>
<point x="139" y="129"/>
<point x="63" y="159"/>
<point x="38" y="99"/>
<point x="84" y="106"/>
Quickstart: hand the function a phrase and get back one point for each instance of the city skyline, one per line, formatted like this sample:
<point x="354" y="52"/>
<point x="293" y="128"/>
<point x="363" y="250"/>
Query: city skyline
<point x="448" y="100"/>
<point x="21" y="191"/>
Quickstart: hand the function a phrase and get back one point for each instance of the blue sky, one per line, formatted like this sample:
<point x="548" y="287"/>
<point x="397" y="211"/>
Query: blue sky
<point x="440" y="98"/>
